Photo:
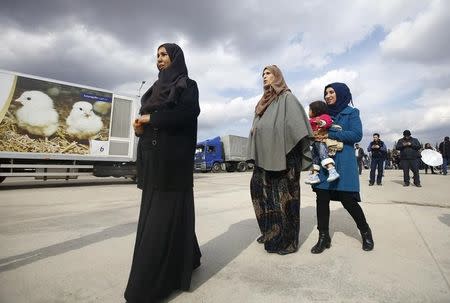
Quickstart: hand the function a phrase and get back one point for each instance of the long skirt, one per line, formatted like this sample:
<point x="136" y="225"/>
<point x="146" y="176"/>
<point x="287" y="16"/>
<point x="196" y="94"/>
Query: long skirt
<point x="166" y="249"/>
<point x="276" y="201"/>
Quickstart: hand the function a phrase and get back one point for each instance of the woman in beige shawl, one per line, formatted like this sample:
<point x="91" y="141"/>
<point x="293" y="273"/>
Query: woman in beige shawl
<point x="279" y="146"/>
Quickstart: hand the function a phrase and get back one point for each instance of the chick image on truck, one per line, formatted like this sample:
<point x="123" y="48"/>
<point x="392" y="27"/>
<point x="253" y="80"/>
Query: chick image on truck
<point x="82" y="121"/>
<point x="53" y="129"/>
<point x="37" y="115"/>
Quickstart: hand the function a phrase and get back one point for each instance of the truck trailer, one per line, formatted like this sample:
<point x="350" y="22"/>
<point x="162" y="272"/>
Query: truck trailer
<point x="56" y="129"/>
<point x="227" y="153"/>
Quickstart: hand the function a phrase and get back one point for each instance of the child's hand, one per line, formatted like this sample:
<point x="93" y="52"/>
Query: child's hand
<point x="320" y="122"/>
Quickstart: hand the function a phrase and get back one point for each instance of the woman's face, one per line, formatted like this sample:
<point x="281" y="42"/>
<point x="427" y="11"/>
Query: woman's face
<point x="310" y="113"/>
<point x="330" y="96"/>
<point x="268" y="77"/>
<point x="163" y="59"/>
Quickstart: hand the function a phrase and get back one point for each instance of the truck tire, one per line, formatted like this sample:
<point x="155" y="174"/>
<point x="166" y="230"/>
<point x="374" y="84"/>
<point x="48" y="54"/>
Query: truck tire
<point x="231" y="167"/>
<point x="242" y="167"/>
<point x="216" y="168"/>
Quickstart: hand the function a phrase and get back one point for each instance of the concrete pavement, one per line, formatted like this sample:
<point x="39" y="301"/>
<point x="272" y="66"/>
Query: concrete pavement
<point x="74" y="244"/>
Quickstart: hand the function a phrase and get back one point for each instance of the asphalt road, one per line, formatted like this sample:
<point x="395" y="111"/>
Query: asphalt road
<point x="72" y="242"/>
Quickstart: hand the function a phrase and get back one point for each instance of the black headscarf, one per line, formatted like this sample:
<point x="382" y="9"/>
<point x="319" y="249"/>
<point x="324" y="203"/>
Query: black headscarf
<point x="171" y="81"/>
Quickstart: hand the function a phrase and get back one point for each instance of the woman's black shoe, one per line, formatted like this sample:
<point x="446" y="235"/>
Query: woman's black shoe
<point x="367" y="240"/>
<point x="260" y="239"/>
<point x="287" y="251"/>
<point x="323" y="243"/>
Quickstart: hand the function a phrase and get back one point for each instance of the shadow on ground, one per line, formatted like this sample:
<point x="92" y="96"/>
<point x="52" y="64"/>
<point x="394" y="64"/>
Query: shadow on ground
<point x="16" y="261"/>
<point x="445" y="218"/>
<point x="220" y="251"/>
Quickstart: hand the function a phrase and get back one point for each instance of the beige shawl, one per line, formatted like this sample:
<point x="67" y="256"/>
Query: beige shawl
<point x="272" y="91"/>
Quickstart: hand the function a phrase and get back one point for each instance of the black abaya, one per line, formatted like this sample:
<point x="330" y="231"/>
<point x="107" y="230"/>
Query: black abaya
<point x="166" y="249"/>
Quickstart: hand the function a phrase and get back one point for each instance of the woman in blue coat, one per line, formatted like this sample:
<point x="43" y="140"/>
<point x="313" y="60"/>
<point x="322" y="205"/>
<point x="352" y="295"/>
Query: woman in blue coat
<point x="346" y="188"/>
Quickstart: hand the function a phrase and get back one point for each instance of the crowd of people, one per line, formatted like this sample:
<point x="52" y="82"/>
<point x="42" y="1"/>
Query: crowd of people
<point x="283" y="141"/>
<point x="405" y="155"/>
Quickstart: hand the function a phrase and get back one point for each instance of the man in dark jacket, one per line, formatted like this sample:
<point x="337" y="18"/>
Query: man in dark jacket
<point x="444" y="149"/>
<point x="359" y="154"/>
<point x="409" y="157"/>
<point x="379" y="151"/>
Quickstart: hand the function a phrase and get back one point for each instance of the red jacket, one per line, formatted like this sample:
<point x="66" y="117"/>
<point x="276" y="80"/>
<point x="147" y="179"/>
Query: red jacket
<point x="321" y="123"/>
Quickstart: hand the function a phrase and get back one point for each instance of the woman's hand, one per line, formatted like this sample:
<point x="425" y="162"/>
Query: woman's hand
<point x="319" y="137"/>
<point x="144" y="119"/>
<point x="138" y="127"/>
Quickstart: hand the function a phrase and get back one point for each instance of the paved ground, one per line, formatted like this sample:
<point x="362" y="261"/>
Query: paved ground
<point x="74" y="244"/>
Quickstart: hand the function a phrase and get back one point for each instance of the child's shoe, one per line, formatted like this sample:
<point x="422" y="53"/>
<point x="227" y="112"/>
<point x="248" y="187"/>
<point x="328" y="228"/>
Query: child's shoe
<point x="332" y="174"/>
<point x="313" y="179"/>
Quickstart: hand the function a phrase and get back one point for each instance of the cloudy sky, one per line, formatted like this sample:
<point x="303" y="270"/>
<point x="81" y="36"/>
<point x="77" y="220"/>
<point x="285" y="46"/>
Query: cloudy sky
<point x="393" y="54"/>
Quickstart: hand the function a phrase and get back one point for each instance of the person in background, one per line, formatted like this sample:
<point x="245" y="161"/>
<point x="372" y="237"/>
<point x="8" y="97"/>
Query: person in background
<point x="409" y="157"/>
<point x="426" y="166"/>
<point x="359" y="154"/>
<point x="388" y="162"/>
<point x="378" y="150"/>
<point x="395" y="159"/>
<point x="444" y="149"/>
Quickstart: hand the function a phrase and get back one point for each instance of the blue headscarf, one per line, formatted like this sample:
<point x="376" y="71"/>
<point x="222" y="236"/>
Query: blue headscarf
<point x="343" y="97"/>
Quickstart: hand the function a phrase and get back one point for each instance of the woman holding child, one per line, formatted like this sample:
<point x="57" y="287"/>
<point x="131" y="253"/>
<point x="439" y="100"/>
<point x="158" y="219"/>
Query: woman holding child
<point x="345" y="188"/>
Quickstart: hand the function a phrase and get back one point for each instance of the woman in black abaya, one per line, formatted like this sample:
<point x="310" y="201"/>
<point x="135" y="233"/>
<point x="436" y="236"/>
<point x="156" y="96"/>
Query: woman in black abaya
<point x="166" y="249"/>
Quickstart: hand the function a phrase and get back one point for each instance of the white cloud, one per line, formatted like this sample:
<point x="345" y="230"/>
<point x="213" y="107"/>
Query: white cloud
<point x="313" y="90"/>
<point x="220" y="68"/>
<point x="306" y="42"/>
<point x="424" y="39"/>
<point x="234" y="116"/>
<point x="74" y="54"/>
<point x="16" y="44"/>
<point x="428" y="118"/>
<point x="314" y="31"/>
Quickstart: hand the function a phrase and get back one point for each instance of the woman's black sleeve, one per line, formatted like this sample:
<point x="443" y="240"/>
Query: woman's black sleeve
<point x="185" y="112"/>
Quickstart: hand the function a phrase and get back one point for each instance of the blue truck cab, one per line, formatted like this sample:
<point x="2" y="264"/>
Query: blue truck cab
<point x="209" y="155"/>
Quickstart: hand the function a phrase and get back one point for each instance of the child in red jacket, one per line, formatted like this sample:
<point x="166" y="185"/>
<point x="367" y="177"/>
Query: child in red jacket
<point x="320" y="123"/>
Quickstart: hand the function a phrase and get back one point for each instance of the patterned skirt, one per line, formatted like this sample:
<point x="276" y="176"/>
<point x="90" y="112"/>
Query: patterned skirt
<point x="276" y="201"/>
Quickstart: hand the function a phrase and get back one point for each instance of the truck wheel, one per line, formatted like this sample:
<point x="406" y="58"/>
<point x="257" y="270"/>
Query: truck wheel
<point x="242" y="167"/>
<point x="231" y="168"/>
<point x="216" y="167"/>
<point x="2" y="178"/>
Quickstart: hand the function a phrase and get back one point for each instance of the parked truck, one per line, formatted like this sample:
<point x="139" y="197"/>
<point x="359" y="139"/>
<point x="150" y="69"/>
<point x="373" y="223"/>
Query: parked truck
<point x="55" y="129"/>
<point x="222" y="153"/>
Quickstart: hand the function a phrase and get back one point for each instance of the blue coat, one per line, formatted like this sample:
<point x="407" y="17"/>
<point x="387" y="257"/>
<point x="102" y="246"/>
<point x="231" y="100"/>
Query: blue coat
<point x="345" y="160"/>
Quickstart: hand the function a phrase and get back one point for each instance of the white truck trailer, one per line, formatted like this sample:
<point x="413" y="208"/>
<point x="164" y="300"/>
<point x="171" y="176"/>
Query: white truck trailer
<point x="55" y="129"/>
